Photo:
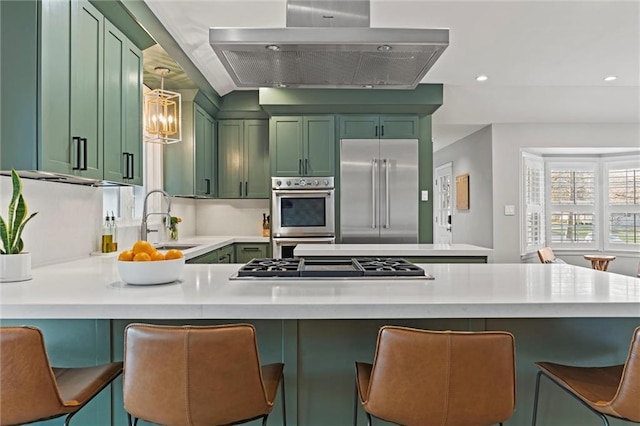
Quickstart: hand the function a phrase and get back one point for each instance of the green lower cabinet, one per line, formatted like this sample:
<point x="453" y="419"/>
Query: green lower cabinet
<point x="210" y="257"/>
<point x="226" y="254"/>
<point x="245" y="252"/>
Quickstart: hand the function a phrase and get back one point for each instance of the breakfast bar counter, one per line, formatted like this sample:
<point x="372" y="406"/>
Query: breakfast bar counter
<point x="92" y="288"/>
<point x="318" y="329"/>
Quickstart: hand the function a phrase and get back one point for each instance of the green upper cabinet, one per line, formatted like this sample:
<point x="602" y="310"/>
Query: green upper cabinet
<point x="189" y="165"/>
<point x="379" y="127"/>
<point x="302" y="145"/>
<point x="85" y="108"/>
<point x="122" y="107"/>
<point x="243" y="159"/>
<point x="205" y="153"/>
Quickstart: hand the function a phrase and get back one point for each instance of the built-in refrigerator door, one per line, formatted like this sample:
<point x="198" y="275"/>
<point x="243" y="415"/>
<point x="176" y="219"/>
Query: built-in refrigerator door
<point x="359" y="188"/>
<point x="398" y="191"/>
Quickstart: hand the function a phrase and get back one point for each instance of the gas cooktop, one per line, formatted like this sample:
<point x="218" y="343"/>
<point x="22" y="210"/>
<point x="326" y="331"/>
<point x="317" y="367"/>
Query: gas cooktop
<point x="363" y="268"/>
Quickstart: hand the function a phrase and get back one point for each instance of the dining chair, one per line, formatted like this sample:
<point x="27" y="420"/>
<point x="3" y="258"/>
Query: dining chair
<point x="612" y="391"/>
<point x="197" y="375"/>
<point x="443" y="378"/>
<point x="31" y="390"/>
<point x="546" y="255"/>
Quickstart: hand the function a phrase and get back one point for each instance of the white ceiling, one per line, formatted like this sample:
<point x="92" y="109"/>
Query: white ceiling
<point x="546" y="60"/>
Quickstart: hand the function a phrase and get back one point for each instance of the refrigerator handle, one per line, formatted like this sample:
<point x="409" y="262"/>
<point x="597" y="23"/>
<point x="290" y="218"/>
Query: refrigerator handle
<point x="387" y="209"/>
<point x="374" y="164"/>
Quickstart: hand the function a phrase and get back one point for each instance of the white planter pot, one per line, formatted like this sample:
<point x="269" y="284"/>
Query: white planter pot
<point x="15" y="267"/>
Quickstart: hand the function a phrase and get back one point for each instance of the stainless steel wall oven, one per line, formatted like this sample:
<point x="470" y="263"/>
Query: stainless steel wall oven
<point x="302" y="211"/>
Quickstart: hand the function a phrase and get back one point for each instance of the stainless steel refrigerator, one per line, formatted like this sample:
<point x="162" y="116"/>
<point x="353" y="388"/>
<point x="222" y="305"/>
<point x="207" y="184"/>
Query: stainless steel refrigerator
<point x="379" y="191"/>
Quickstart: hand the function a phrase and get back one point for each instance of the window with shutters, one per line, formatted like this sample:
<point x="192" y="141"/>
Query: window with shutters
<point x="587" y="203"/>
<point x="571" y="203"/>
<point x="622" y="213"/>
<point x="533" y="220"/>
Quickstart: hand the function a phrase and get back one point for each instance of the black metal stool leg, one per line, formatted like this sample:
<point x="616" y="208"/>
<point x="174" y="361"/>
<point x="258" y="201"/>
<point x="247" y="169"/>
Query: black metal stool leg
<point x="369" y="421"/>
<point x="535" y="399"/>
<point x="284" y="406"/>
<point x="355" y="404"/>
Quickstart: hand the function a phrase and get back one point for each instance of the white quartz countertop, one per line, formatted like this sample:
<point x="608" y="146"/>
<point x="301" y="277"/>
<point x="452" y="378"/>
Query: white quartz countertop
<point x="91" y="288"/>
<point x="399" y="250"/>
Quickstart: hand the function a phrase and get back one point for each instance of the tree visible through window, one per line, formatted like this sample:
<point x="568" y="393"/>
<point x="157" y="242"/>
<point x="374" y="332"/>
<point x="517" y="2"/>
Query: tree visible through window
<point x="624" y="204"/>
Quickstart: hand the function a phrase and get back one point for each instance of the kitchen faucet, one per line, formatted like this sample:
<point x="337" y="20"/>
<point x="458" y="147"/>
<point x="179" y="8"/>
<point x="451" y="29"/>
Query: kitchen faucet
<point x="143" y="228"/>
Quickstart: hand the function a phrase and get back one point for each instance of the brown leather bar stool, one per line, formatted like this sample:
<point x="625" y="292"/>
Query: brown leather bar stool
<point x="425" y="378"/>
<point x="606" y="391"/>
<point x="31" y="390"/>
<point x="197" y="376"/>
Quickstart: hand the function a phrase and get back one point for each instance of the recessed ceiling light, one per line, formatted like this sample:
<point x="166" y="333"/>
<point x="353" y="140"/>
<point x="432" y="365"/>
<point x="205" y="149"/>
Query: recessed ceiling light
<point x="610" y="78"/>
<point x="273" y="47"/>
<point x="281" y="85"/>
<point x="384" y="48"/>
<point x="368" y="86"/>
<point x="482" y="78"/>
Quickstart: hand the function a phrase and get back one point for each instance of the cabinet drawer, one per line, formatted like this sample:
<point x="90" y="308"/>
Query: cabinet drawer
<point x="247" y="251"/>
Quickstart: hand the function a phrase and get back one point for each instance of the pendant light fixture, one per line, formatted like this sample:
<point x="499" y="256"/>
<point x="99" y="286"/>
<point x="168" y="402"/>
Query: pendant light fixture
<point x="162" y="113"/>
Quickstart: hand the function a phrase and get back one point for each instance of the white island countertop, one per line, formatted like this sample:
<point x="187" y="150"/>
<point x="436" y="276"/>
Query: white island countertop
<point x="397" y="250"/>
<point x="91" y="288"/>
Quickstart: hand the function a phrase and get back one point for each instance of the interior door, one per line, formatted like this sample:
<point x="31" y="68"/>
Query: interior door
<point x="443" y="208"/>
<point x="359" y="186"/>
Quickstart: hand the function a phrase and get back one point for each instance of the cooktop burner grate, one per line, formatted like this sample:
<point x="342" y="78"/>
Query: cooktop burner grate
<point x="388" y="266"/>
<point x="356" y="267"/>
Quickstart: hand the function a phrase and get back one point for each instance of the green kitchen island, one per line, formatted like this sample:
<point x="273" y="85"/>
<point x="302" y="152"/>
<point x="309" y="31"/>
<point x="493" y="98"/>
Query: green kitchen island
<point x="562" y="313"/>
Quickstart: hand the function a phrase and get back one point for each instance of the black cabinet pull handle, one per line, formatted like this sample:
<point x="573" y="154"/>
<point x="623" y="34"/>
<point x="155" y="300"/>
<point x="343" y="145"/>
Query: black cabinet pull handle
<point x="208" y="184"/>
<point x="251" y="249"/>
<point x="84" y="144"/>
<point x="376" y="134"/>
<point x="75" y="142"/>
<point x="246" y="188"/>
<point x="131" y="176"/>
<point x="382" y="132"/>
<point x="300" y="166"/>
<point x="240" y="189"/>
<point x="126" y="165"/>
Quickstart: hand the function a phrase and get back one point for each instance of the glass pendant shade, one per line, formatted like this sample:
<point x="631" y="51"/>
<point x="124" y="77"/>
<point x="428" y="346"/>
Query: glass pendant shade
<point x="162" y="116"/>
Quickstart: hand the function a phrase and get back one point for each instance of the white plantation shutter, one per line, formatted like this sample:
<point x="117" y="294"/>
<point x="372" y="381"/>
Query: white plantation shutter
<point x="623" y="204"/>
<point x="572" y="203"/>
<point x="533" y="220"/>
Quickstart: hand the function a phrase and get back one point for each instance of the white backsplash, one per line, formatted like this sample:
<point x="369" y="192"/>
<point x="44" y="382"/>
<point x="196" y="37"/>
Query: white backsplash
<point x="230" y="217"/>
<point x="70" y="218"/>
<point x="68" y="223"/>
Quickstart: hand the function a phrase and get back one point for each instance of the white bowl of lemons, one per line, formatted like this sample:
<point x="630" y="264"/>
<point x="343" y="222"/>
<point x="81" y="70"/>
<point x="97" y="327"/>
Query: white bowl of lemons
<point x="144" y="265"/>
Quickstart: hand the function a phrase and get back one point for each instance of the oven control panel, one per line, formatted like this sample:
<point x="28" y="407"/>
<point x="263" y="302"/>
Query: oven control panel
<point x="302" y="182"/>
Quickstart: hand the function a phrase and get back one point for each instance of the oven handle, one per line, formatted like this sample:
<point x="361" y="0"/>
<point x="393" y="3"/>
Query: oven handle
<point x="286" y="240"/>
<point x="303" y="192"/>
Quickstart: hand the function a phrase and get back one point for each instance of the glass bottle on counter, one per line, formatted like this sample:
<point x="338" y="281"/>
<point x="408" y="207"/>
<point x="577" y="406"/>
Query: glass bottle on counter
<point x="107" y="235"/>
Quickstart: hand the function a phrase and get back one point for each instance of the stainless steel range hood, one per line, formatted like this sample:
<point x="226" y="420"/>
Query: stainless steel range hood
<point x="328" y="44"/>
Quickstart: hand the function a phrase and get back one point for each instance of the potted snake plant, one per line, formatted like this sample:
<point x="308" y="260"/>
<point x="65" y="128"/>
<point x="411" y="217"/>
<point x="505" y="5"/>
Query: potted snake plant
<point x="15" y="264"/>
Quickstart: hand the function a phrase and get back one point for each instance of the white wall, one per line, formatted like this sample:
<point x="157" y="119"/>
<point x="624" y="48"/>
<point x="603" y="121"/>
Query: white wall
<point x="230" y="217"/>
<point x="508" y="142"/>
<point x="69" y="220"/>
<point x="472" y="155"/>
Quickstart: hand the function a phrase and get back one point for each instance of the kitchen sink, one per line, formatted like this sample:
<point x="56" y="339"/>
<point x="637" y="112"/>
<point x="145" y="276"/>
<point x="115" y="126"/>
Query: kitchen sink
<point x="177" y="246"/>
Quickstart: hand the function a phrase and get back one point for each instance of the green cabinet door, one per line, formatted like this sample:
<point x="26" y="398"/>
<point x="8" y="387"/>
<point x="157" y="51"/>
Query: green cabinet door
<point x="209" y="257"/>
<point x="115" y="159"/>
<point x="359" y="126"/>
<point x="55" y="144"/>
<point x="230" y="173"/>
<point x="226" y="254"/>
<point x="285" y="146"/>
<point x="132" y="87"/>
<point x="86" y="89"/>
<point x="379" y="127"/>
<point x="302" y="145"/>
<point x="398" y="127"/>
<point x="319" y="145"/>
<point x="256" y="159"/>
<point x="204" y="159"/>
<point x="244" y="252"/>
<point x="243" y="161"/>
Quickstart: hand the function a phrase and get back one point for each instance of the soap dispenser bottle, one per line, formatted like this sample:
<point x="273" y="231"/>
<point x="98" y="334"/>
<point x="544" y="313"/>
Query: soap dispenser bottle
<point x="114" y="233"/>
